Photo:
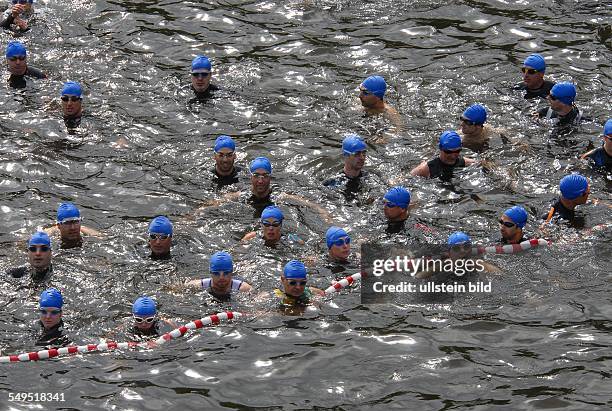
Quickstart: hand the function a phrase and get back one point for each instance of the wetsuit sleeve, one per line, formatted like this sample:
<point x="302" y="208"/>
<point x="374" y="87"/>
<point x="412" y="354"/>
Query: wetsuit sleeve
<point x="7" y="21"/>
<point x="36" y="73"/>
<point x="17" y="272"/>
<point x="542" y="112"/>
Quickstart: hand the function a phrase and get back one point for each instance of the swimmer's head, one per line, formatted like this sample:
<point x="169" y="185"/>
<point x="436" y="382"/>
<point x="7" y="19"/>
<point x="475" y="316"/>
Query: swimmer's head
<point x="607" y="131"/>
<point x="15" y="49"/>
<point x="72" y="88"/>
<point x="334" y="235"/>
<point x="375" y="85"/>
<point x="450" y="141"/>
<point x="564" y="92"/>
<point x="294" y="269"/>
<point x="221" y="261"/>
<point x="272" y="212"/>
<point x="353" y="144"/>
<point x="261" y="163"/>
<point x="397" y="197"/>
<point x="224" y="142"/>
<point x="458" y="238"/>
<point x="475" y="114"/>
<point x="517" y="215"/>
<point x="51" y="298"/>
<point x="161" y="225"/>
<point x="535" y="61"/>
<point x="573" y="186"/>
<point x="144" y="307"/>
<point x="68" y="212"/>
<point x="40" y="238"/>
<point x="201" y="64"/>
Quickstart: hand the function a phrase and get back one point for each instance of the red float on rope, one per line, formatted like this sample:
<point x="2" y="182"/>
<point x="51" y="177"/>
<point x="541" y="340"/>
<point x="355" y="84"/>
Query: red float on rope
<point x="511" y="248"/>
<point x="342" y="283"/>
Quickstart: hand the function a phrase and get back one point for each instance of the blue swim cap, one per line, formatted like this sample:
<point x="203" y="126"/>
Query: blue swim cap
<point x="72" y="88"/>
<point x="15" y="48"/>
<point x="144" y="307"/>
<point x="375" y="85"/>
<point x="333" y="234"/>
<point x="294" y="269"/>
<point x="201" y="64"/>
<point x="573" y="186"/>
<point x="67" y="212"/>
<point x="51" y="298"/>
<point x="535" y="61"/>
<point x="608" y="128"/>
<point x="450" y="140"/>
<point x="476" y="113"/>
<point x="352" y="144"/>
<point x="224" y="142"/>
<point x="272" y="212"/>
<point x="160" y="225"/>
<point x="40" y="238"/>
<point x="518" y="215"/>
<point x="261" y="162"/>
<point x="221" y="261"/>
<point x="458" y="237"/>
<point x="564" y="92"/>
<point x="398" y="196"/>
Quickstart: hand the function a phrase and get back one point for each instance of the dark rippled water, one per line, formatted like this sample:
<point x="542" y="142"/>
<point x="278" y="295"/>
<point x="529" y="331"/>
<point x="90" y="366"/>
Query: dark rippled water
<point x="288" y="72"/>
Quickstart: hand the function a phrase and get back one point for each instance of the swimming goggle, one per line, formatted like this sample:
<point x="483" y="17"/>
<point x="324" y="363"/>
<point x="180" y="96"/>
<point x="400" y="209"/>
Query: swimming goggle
<point x="15" y="58"/>
<point x="271" y="224"/>
<point x="341" y="241"/>
<point x="23" y="1"/>
<point x="156" y="236"/>
<point x="466" y="121"/>
<point x="528" y="70"/>
<point x="41" y="248"/>
<point x="147" y="320"/>
<point x="44" y="311"/>
<point x="218" y="273"/>
<point x="225" y="155"/>
<point x="70" y="98"/>
<point x="451" y="151"/>
<point x="261" y="176"/>
<point x="203" y="75"/>
<point x="508" y="224"/>
<point x="293" y="283"/>
<point x="70" y="221"/>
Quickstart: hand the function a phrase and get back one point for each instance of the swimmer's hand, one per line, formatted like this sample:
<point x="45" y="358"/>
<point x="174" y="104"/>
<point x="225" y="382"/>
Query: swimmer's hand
<point x="17" y="9"/>
<point x="249" y="236"/>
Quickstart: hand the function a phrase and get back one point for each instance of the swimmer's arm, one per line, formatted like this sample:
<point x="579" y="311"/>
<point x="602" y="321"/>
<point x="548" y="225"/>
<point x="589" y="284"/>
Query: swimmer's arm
<point x="249" y="236"/>
<point x="168" y="322"/>
<point x="325" y="215"/>
<point x="52" y="230"/>
<point x="394" y="117"/>
<point x="588" y="153"/>
<point x="424" y="274"/>
<point x="317" y="291"/>
<point x="490" y="268"/>
<point x="422" y="170"/>
<point x="215" y="202"/>
<point x="197" y="283"/>
<point x="245" y="287"/>
<point x="469" y="161"/>
<point x="91" y="232"/>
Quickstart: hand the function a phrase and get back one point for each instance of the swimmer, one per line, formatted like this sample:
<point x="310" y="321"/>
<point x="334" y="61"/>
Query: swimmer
<point x="51" y="322"/>
<point x="69" y="227"/>
<point x="39" y="257"/>
<point x="225" y="171"/>
<point x="601" y="158"/>
<point x="272" y="222"/>
<point x="294" y="290"/>
<point x="221" y="285"/>
<point x="144" y="311"/>
<point x="475" y="134"/>
<point x="371" y="94"/>
<point x="396" y="203"/>
<point x="201" y="74"/>
<point x="72" y="104"/>
<point x="562" y="113"/>
<point x="574" y="192"/>
<point x="533" y="82"/>
<point x="338" y="244"/>
<point x="16" y="60"/>
<point x="16" y="18"/>
<point x="449" y="158"/>
<point x="511" y="224"/>
<point x="160" y="238"/>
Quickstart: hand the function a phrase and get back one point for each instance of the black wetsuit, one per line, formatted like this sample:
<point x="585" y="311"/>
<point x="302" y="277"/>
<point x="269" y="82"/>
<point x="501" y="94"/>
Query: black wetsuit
<point x="206" y="94"/>
<point x="27" y="271"/>
<point x="445" y="171"/>
<point x="539" y="92"/>
<point x="562" y="123"/>
<point x="504" y="241"/>
<point x="160" y="257"/>
<point x="562" y="212"/>
<point x="72" y="122"/>
<point x="53" y="336"/>
<point x="153" y="331"/>
<point x="222" y="181"/>
<point x="8" y="23"/>
<point x="350" y="186"/>
<point x="260" y="203"/>
<point x="19" y="81"/>
<point x="601" y="159"/>
<point x="395" y="227"/>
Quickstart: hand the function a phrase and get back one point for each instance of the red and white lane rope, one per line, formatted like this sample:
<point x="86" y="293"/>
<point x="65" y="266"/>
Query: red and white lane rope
<point x="338" y="285"/>
<point x="511" y="248"/>
<point x="111" y="345"/>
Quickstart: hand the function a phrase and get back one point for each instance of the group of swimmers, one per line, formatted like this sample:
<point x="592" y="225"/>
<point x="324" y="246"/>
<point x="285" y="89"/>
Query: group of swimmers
<point x="473" y="134"/>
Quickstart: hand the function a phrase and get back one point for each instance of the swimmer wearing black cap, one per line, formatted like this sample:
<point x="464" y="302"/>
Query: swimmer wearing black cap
<point x="16" y="60"/>
<point x="533" y="83"/>
<point x="601" y="158"/>
<point x="17" y="17"/>
<point x="222" y="284"/>
<point x="449" y="158"/>
<point x="39" y="256"/>
<point x="575" y="191"/>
